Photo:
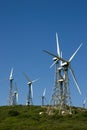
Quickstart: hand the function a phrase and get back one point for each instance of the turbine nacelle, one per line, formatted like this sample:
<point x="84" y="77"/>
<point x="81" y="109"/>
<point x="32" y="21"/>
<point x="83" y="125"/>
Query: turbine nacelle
<point x="15" y="92"/>
<point x="11" y="78"/>
<point x="29" y="83"/>
<point x="64" y="64"/>
<point x="61" y="80"/>
<point x="55" y="59"/>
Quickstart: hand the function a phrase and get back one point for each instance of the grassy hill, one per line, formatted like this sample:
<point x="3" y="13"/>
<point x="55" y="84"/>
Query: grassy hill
<point x="28" y="118"/>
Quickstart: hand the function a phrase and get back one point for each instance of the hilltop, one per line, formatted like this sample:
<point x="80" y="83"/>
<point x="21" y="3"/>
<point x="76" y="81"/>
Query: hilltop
<point x="28" y="118"/>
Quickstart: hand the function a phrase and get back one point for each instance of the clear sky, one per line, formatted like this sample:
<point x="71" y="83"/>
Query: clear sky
<point x="27" y="27"/>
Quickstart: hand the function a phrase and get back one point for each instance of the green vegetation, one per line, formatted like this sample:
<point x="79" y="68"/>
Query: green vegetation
<point x="28" y="118"/>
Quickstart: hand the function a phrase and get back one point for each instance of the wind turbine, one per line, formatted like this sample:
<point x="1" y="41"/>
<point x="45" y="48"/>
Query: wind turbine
<point x="11" y="87"/>
<point x="30" y="93"/>
<point x="67" y="65"/>
<point x="43" y="97"/>
<point x="57" y="95"/>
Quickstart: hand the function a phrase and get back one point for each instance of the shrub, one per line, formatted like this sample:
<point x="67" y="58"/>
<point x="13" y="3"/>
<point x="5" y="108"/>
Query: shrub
<point x="13" y="113"/>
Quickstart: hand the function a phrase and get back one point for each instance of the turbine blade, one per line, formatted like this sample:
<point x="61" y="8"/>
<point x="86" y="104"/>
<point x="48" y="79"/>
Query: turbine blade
<point x="44" y="92"/>
<point x="59" y="58"/>
<point x="58" y="49"/>
<point x="35" y="80"/>
<point x="15" y="87"/>
<point x="27" y="78"/>
<point x="11" y="74"/>
<point x="31" y="91"/>
<point x="72" y="73"/>
<point x="50" y="53"/>
<point x="75" y="52"/>
<point x="17" y="97"/>
<point x="84" y="101"/>
<point x="53" y="63"/>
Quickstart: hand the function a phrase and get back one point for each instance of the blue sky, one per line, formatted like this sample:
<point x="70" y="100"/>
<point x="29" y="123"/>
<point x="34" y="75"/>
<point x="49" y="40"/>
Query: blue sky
<point x="27" y="27"/>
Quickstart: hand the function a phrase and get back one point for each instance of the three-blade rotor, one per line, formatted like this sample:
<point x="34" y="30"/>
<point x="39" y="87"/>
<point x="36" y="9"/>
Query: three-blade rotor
<point x="30" y="82"/>
<point x="67" y="64"/>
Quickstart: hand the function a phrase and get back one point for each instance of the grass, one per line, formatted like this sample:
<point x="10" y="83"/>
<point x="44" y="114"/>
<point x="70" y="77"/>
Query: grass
<point x="28" y="118"/>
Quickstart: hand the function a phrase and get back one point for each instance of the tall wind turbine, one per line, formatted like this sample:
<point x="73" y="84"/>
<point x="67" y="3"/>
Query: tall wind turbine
<point x="11" y="88"/>
<point x="67" y="65"/>
<point x="43" y="97"/>
<point x="57" y="95"/>
<point x="30" y="92"/>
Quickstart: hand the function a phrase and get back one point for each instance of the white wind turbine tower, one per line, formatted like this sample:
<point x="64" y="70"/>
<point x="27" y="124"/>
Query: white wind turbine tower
<point x="11" y="88"/>
<point x="30" y="92"/>
<point x="15" y="95"/>
<point x="67" y="66"/>
<point x="43" y="97"/>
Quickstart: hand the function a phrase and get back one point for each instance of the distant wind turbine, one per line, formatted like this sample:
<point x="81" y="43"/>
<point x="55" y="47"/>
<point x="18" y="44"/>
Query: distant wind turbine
<point x="11" y="88"/>
<point x="30" y="93"/>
